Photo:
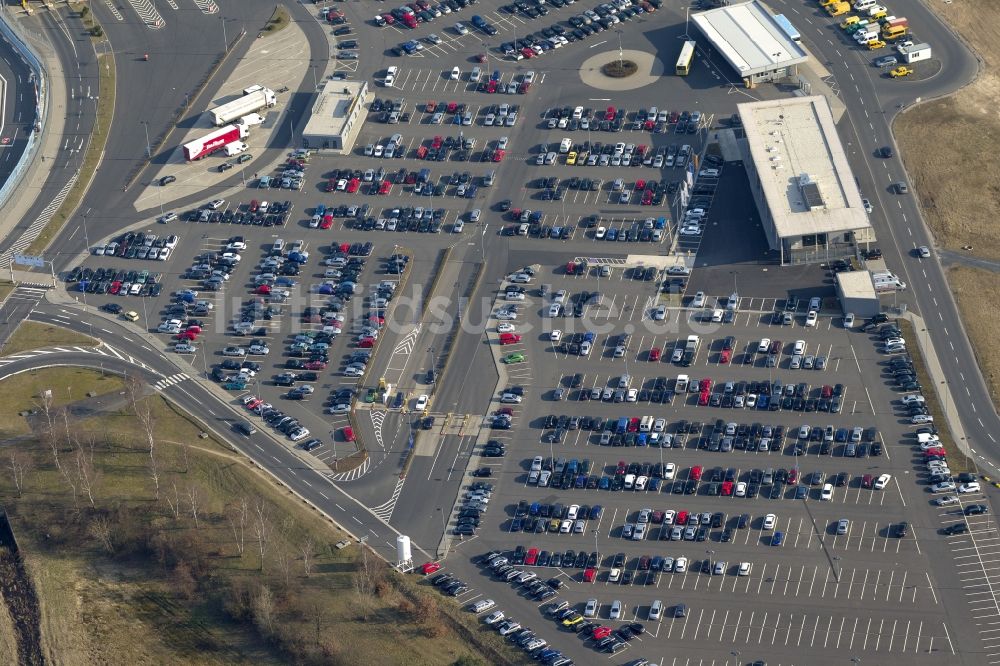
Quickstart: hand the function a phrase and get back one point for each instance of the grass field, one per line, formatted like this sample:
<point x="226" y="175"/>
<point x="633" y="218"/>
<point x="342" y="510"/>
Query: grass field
<point x="969" y="285"/>
<point x="35" y="335"/>
<point x="23" y="393"/>
<point x="129" y="577"/>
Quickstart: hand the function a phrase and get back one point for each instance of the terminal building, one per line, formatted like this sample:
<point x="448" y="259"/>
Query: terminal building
<point x="805" y="192"/>
<point x="337" y="116"/>
<point x="759" y="46"/>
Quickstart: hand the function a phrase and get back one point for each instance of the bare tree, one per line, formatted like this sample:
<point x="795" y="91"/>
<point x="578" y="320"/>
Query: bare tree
<point x="283" y="558"/>
<point x="144" y="415"/>
<point x="307" y="555"/>
<point x="195" y="497"/>
<point x="262" y="529"/>
<point x="320" y="615"/>
<point x="87" y="474"/>
<point x="263" y="610"/>
<point x="20" y="462"/>
<point x="174" y="502"/>
<point x="367" y="579"/>
<point x="45" y="405"/>
<point x="238" y="513"/>
<point x="101" y="529"/>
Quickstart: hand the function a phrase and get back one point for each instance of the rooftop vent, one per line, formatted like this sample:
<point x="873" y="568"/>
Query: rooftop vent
<point x="811" y="192"/>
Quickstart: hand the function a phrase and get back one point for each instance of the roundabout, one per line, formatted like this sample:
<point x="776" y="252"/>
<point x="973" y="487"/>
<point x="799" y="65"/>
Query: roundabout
<point x="615" y="70"/>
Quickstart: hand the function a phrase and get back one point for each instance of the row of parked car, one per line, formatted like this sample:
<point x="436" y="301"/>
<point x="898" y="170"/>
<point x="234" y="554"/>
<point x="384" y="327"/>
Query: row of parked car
<point x="116" y="281"/>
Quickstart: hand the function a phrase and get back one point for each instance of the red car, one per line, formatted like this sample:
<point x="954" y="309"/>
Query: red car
<point x="264" y="289"/>
<point x="352" y="185"/>
<point x="695" y="473"/>
<point x="682" y="518"/>
<point x="452" y="107"/>
<point x="436" y="143"/>
<point x="527" y="53"/>
<point x="189" y="336"/>
<point x="498" y="155"/>
<point x="532" y="557"/>
<point x="430" y="107"/>
<point x="524" y="88"/>
<point x="388" y="18"/>
<point x="640" y="184"/>
<point x="345" y="248"/>
<point x="116" y="286"/>
<point x="491" y="87"/>
<point x="633" y="424"/>
<point x="315" y="365"/>
<point x="385" y="187"/>
<point x="727" y="488"/>
<point x="331" y="185"/>
<point x="647" y="198"/>
<point x="348" y="433"/>
<point x="254" y="205"/>
<point x="366" y="343"/>
<point x="421" y="152"/>
<point x="621" y="467"/>
<point x="705" y="385"/>
<point x="932" y="453"/>
<point x="649" y="125"/>
<point x="793" y="475"/>
<point x="654" y="354"/>
<point x="430" y="567"/>
<point x="327" y="222"/>
<point x="589" y="575"/>
<point x="703" y="398"/>
<point x="601" y="633"/>
<point x="509" y="338"/>
<point x="411" y="178"/>
<point x="610" y="113"/>
<point x="725" y="355"/>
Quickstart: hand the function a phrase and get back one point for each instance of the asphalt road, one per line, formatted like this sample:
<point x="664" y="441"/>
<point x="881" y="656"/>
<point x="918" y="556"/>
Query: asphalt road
<point x="18" y="109"/>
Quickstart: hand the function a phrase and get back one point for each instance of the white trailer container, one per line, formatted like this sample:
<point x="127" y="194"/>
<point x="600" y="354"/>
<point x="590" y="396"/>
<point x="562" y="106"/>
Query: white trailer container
<point x="235" y="148"/>
<point x="915" y="52"/>
<point x="254" y="99"/>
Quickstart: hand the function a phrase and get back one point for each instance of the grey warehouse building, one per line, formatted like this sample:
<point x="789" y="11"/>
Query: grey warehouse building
<point x="751" y="41"/>
<point x="805" y="192"/>
<point x="337" y="116"/>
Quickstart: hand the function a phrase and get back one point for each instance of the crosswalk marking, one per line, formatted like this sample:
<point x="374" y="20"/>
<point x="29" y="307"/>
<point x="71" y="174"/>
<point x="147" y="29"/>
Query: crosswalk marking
<point x="354" y="474"/>
<point x="384" y="511"/>
<point x="114" y="10"/>
<point x="207" y="6"/>
<point x="148" y="13"/>
<point x="170" y="381"/>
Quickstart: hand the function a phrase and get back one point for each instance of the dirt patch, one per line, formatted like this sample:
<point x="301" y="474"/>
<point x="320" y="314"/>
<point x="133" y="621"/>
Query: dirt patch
<point x="619" y="69"/>
<point x="966" y="132"/>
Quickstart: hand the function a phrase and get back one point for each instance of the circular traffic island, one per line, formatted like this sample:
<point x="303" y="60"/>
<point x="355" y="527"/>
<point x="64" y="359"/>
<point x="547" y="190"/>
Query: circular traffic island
<point x="619" y="69"/>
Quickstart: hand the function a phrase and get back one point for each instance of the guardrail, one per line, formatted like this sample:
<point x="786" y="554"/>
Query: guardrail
<point x="10" y="34"/>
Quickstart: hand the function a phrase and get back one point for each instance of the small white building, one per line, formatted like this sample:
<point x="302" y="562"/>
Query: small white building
<point x="857" y="293"/>
<point x="915" y="53"/>
<point x="337" y="116"/>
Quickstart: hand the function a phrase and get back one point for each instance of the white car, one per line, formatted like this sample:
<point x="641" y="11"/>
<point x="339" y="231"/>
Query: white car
<point x="590" y="610"/>
<point x="216" y="204"/>
<point x="919" y="419"/>
<point x="678" y="270"/>
<point x="167" y="217"/>
<point x="456" y="73"/>
<point x="811" y="318"/>
<point x="659" y="313"/>
<point x="616" y="610"/>
<point x="943" y="487"/>
<point x="882" y="481"/>
<point x="799" y="347"/>
<point x="826" y="493"/>
<point x="913" y="398"/>
<point x="770" y="520"/>
<point x="764" y="345"/>
<point x="259" y="350"/>
<point x="505" y="327"/>
<point x="669" y="470"/>
<point x="555" y="336"/>
<point x="494" y="618"/>
<point x="632" y="395"/>
<point x="421" y="403"/>
<point x="745" y="569"/>
<point x="699" y="300"/>
<point x="849" y="320"/>
<point x="520" y="278"/>
<point x="353" y="371"/>
<point x="506" y="315"/>
<point x="971" y="487"/>
<point x="947" y="500"/>
<point x="741" y="489"/>
<point x="717" y="315"/>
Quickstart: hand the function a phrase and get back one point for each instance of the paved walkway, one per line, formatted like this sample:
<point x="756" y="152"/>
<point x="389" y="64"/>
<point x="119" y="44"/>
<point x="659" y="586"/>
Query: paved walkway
<point x="952" y="258"/>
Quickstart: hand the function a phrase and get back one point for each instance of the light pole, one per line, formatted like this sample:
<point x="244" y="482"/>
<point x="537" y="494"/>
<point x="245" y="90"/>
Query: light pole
<point x="735" y="289"/>
<point x="291" y="128"/>
<point x="145" y="126"/>
<point x="225" y="40"/>
<point x="596" y="549"/>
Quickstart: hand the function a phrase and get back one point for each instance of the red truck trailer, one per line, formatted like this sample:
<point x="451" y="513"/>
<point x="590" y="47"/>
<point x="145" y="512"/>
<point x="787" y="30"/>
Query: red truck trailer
<point x="213" y="141"/>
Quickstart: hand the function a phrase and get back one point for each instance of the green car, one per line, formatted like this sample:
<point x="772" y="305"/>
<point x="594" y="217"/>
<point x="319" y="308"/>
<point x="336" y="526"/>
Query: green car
<point x="235" y="385"/>
<point x="516" y="357"/>
<point x="371" y="395"/>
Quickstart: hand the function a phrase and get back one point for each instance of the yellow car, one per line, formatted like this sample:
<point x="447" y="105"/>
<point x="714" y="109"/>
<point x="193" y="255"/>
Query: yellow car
<point x="571" y="158"/>
<point x="851" y="20"/>
<point x="900" y="71"/>
<point x="876" y="44"/>
<point x="573" y="620"/>
<point x="827" y="3"/>
<point x="131" y="315"/>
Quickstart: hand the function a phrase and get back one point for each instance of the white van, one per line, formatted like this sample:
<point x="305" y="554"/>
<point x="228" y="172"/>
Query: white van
<point x="646" y="424"/>
<point x="708" y="173"/>
<point x="565" y="145"/>
<point x="862" y="5"/>
<point x="656" y="611"/>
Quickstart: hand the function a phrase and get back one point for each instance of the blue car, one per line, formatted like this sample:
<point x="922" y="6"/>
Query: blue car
<point x="778" y="539"/>
<point x="604" y="484"/>
<point x="595" y="511"/>
<point x="612" y="234"/>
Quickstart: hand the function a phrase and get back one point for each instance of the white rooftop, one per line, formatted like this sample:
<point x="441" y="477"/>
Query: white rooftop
<point x="856" y="284"/>
<point x="803" y="170"/>
<point x="332" y="108"/>
<point x="748" y="38"/>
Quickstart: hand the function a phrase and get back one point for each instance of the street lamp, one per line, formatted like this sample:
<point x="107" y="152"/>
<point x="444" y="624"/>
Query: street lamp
<point x="225" y="40"/>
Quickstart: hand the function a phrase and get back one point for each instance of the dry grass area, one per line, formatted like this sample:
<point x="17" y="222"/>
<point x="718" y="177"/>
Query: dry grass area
<point x="961" y="204"/>
<point x="35" y="335"/>
<point x="969" y="284"/>
<point x="216" y="567"/>
<point x="8" y="641"/>
<point x="23" y="393"/>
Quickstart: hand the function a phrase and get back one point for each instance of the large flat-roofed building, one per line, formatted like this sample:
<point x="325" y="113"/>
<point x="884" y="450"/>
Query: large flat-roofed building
<point x="337" y="116"/>
<point x="804" y="189"/>
<point x="857" y="294"/>
<point x="752" y="41"/>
